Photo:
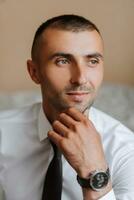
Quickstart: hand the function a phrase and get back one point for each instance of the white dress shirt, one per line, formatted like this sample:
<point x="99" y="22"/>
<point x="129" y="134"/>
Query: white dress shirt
<point x="25" y="154"/>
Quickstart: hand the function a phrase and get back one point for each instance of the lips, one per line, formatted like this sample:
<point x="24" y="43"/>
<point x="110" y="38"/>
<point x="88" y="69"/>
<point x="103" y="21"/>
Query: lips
<point x="77" y="92"/>
<point x="77" y="96"/>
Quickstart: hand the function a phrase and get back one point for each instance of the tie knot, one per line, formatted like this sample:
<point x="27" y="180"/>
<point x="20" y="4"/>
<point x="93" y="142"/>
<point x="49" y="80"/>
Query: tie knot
<point x="57" y="152"/>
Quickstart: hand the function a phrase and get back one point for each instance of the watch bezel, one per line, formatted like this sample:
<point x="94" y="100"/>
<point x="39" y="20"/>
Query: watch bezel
<point x="88" y="183"/>
<point x="93" y="175"/>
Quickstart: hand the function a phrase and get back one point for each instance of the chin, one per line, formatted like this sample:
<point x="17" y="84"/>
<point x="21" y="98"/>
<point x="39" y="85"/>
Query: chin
<point x="65" y="104"/>
<point x="82" y="108"/>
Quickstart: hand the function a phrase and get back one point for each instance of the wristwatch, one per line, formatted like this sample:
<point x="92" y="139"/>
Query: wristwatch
<point x="96" y="181"/>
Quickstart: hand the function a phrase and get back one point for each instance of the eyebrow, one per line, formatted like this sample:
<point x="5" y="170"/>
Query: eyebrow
<point x="70" y="56"/>
<point x="60" y="54"/>
<point x="95" y="55"/>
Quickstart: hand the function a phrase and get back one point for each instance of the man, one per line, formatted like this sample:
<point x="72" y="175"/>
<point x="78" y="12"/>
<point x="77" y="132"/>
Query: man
<point x="67" y="62"/>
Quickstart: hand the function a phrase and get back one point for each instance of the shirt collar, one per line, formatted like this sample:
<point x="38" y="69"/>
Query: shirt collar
<point x="43" y="124"/>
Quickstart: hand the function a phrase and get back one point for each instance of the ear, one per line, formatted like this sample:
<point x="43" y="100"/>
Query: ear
<point x="33" y="71"/>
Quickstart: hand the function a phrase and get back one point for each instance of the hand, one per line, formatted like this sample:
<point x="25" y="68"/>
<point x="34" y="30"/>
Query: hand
<point x="79" y="141"/>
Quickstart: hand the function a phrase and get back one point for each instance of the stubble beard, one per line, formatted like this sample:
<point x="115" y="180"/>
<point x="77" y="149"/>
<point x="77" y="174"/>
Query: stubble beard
<point x="60" y="104"/>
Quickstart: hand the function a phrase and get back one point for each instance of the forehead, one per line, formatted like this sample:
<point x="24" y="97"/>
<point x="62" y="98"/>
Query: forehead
<point x="82" y="42"/>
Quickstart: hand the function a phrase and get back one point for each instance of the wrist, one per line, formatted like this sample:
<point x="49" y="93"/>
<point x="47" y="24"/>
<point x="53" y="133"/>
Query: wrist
<point x="84" y="172"/>
<point x="89" y="194"/>
<point x="96" y="185"/>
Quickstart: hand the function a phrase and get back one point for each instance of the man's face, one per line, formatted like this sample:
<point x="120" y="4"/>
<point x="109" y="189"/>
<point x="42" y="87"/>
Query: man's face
<point x="70" y="68"/>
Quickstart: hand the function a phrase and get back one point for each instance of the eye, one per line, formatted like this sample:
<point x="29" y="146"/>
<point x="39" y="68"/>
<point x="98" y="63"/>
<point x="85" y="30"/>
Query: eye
<point x="93" y="62"/>
<point x="62" y="61"/>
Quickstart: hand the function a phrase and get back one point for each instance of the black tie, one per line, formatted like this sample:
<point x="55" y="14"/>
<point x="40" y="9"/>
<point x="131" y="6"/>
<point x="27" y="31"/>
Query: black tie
<point x="53" y="182"/>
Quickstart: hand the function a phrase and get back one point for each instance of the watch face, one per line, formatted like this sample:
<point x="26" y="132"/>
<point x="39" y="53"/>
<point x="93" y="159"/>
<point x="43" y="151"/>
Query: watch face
<point x="99" y="180"/>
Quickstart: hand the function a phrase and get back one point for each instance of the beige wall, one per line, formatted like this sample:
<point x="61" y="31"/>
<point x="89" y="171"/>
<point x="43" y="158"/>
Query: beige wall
<point x="20" y="18"/>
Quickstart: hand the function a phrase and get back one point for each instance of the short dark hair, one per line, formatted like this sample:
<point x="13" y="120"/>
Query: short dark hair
<point x="70" y="22"/>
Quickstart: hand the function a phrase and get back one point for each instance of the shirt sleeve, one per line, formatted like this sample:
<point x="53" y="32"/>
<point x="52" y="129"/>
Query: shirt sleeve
<point x="122" y="168"/>
<point x="109" y="196"/>
<point x="123" y="178"/>
<point x="122" y="165"/>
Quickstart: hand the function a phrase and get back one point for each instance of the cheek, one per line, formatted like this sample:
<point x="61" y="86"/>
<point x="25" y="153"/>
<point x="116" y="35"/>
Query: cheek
<point x="54" y="80"/>
<point x="96" y="77"/>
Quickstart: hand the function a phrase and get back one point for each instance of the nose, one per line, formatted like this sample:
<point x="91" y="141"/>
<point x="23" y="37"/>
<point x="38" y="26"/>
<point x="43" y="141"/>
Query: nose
<point x="78" y="75"/>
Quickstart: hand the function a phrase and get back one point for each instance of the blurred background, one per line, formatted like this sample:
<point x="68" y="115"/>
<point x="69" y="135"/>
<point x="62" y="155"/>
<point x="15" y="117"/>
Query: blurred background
<point x="115" y="19"/>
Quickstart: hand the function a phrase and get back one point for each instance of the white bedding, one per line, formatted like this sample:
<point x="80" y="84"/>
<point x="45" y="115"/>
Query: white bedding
<point x="116" y="100"/>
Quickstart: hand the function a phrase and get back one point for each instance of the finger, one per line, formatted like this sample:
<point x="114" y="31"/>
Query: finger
<point x="66" y="120"/>
<point x="75" y="114"/>
<point x="54" y="137"/>
<point x="60" y="128"/>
